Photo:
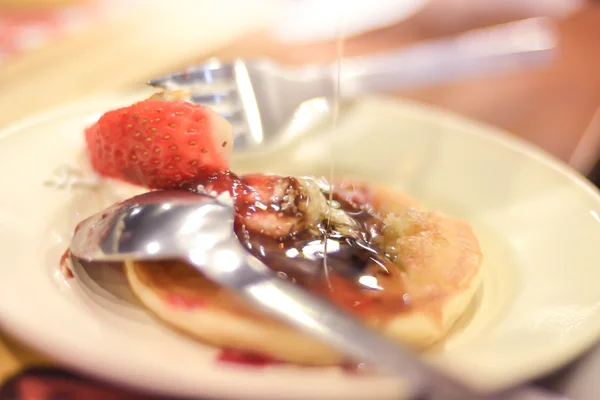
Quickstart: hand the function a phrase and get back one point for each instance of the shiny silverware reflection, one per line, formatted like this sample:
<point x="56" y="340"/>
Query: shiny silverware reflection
<point x="261" y="98"/>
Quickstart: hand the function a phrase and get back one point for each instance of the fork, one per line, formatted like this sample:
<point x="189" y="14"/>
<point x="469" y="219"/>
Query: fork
<point x="268" y="103"/>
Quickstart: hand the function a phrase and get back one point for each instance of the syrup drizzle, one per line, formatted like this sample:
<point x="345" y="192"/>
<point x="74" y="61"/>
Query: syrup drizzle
<point x="334" y="123"/>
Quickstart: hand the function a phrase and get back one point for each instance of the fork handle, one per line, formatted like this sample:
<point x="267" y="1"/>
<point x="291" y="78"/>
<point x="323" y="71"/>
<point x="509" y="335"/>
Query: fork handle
<point x="477" y="52"/>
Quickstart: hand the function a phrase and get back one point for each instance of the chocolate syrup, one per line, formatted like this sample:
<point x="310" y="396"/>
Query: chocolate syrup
<point x="219" y="182"/>
<point x="359" y="275"/>
<point x="355" y="273"/>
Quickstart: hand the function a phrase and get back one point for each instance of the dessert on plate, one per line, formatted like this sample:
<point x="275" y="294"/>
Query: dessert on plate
<point x="405" y="271"/>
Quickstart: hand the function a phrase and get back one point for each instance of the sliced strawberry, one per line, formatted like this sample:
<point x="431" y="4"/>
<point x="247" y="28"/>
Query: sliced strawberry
<point x="160" y="144"/>
<point x="357" y="194"/>
<point x="257" y="187"/>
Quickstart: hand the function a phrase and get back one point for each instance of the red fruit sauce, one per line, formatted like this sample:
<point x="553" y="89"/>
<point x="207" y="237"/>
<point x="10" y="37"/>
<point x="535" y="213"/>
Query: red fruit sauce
<point x="184" y="302"/>
<point x="251" y="359"/>
<point x="64" y="264"/>
<point x="246" y="358"/>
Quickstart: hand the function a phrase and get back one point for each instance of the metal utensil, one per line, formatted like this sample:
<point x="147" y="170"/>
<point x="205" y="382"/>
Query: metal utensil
<point x="199" y="229"/>
<point x="261" y="98"/>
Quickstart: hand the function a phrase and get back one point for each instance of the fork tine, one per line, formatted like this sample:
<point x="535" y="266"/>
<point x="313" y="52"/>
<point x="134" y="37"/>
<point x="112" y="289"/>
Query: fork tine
<point x="210" y="71"/>
<point x="205" y="90"/>
<point x="212" y="84"/>
<point x="216" y="97"/>
<point x="232" y="114"/>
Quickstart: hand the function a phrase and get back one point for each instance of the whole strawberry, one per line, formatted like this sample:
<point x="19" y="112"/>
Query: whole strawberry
<point x="160" y="144"/>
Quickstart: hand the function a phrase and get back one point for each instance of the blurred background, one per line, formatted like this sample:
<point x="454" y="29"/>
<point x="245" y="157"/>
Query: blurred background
<point x="53" y="51"/>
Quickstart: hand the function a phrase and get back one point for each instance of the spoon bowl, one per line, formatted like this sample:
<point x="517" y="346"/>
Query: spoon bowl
<point x="155" y="225"/>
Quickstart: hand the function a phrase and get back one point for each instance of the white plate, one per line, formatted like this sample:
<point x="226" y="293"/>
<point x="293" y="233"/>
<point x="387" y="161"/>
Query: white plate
<point x="537" y="220"/>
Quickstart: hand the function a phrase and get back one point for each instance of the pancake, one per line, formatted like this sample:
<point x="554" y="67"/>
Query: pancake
<point x="438" y="271"/>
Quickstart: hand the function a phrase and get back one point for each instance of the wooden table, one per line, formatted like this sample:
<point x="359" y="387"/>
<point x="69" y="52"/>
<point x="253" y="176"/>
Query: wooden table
<point x="552" y="107"/>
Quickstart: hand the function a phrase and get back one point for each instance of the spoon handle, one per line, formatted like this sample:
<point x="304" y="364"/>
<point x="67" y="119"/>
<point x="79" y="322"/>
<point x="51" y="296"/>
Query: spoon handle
<point x="230" y="265"/>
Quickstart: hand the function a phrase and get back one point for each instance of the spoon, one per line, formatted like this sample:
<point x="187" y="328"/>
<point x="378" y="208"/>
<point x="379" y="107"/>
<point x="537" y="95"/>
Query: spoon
<point x="166" y="225"/>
